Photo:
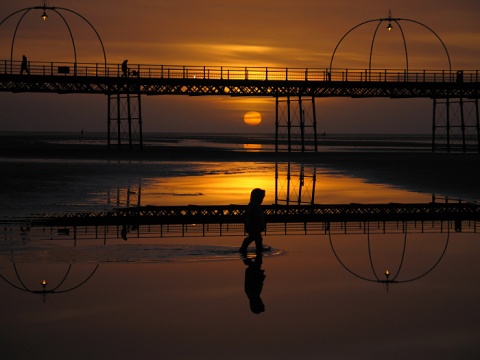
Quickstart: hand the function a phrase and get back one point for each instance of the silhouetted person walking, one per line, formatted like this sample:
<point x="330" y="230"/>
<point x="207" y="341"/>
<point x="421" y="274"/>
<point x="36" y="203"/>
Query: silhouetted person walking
<point x="254" y="221"/>
<point x="24" y="66"/>
<point x="254" y="277"/>
<point x="125" y="68"/>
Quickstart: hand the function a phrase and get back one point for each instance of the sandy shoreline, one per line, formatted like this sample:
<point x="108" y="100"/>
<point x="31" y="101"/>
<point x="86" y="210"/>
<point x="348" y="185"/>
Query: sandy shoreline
<point x="454" y="175"/>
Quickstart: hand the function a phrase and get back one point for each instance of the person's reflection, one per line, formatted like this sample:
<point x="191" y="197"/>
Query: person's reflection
<point x="254" y="277"/>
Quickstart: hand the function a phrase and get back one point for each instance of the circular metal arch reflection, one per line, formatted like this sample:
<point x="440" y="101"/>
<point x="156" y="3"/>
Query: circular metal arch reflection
<point x="55" y="10"/>
<point x="389" y="280"/>
<point x="397" y="21"/>
<point x="56" y="289"/>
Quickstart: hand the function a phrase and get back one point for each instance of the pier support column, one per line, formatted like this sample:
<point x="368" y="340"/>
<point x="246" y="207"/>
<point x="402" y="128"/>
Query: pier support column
<point x="295" y="184"/>
<point x="125" y="120"/>
<point x="477" y="125"/>
<point x="455" y="125"/>
<point x="295" y="125"/>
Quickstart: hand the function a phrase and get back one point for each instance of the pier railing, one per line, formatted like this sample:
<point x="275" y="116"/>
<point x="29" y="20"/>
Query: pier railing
<point x="8" y="67"/>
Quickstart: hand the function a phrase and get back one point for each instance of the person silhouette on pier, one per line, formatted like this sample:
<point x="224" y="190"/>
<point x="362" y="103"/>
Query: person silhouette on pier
<point x="24" y="66"/>
<point x="125" y="70"/>
<point x="254" y="277"/>
<point x="254" y="221"/>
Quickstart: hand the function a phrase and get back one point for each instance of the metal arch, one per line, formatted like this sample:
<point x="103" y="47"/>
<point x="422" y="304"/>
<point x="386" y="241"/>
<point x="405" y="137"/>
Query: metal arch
<point x="81" y="283"/>
<point x="393" y="280"/>
<point x="377" y="279"/>
<point x="371" y="50"/>
<point x="343" y="37"/>
<point x="372" y="266"/>
<point x="396" y="20"/>
<point x="343" y="264"/>
<point x="404" y="43"/>
<point x="373" y="41"/>
<point x="27" y="10"/>
<point x="370" y="258"/>
<point x="71" y="37"/>
<point x="64" y="278"/>
<point x="434" y="265"/>
<point x="400" y="265"/>
<point x="93" y="28"/>
<point x="15" y="34"/>
<point x="64" y="20"/>
<point x="438" y="37"/>
<point x="14" y="13"/>
<point x="23" y="287"/>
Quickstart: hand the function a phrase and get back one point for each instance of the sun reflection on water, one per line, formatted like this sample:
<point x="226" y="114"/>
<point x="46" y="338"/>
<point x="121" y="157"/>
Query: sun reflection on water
<point x="231" y="183"/>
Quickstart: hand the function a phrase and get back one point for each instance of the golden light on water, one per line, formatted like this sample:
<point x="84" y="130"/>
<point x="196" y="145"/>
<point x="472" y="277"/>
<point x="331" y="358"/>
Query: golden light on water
<point x="252" y="118"/>
<point x="252" y="147"/>
<point x="220" y="185"/>
<point x="231" y="184"/>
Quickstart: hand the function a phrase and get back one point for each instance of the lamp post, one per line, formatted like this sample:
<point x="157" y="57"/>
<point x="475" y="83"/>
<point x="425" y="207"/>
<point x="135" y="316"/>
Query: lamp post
<point x="44" y="15"/>
<point x="389" y="26"/>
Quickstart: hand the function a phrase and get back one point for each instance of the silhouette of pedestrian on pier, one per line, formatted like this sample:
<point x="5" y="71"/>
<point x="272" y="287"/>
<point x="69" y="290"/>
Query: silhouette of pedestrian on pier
<point x="24" y="66"/>
<point x="125" y="70"/>
<point x="254" y="277"/>
<point x="254" y="221"/>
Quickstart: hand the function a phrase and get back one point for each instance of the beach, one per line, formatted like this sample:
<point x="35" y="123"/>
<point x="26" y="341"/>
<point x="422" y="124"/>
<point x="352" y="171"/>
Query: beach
<point x="325" y="295"/>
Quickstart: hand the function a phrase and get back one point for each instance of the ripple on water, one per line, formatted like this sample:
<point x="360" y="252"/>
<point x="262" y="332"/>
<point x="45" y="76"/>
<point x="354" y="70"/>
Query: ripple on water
<point x="129" y="253"/>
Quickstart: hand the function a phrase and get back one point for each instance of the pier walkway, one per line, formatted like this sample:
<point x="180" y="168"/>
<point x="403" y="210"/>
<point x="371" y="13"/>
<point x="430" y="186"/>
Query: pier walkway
<point x="90" y="78"/>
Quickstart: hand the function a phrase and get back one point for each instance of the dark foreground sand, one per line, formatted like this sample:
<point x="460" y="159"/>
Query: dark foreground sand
<point x="455" y="175"/>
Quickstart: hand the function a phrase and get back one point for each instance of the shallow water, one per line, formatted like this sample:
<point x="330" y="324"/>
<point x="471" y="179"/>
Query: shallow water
<point x="325" y="295"/>
<point x="46" y="186"/>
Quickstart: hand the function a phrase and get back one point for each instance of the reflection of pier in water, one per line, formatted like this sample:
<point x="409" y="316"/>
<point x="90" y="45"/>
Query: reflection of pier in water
<point x="294" y="211"/>
<point x="176" y="221"/>
<point x="395" y="275"/>
<point x="21" y="284"/>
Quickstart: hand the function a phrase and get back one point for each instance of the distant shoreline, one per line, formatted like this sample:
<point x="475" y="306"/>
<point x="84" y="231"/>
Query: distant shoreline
<point x="178" y="148"/>
<point x="158" y="144"/>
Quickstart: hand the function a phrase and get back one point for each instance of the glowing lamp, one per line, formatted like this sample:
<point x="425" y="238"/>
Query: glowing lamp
<point x="44" y="16"/>
<point x="44" y="283"/>
<point x="389" y="27"/>
<point x="387" y="274"/>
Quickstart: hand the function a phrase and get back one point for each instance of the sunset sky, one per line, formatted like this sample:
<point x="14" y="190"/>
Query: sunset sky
<point x="274" y="33"/>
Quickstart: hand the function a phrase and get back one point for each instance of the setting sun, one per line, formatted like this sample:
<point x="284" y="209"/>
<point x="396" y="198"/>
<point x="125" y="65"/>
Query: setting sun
<point x="252" y="118"/>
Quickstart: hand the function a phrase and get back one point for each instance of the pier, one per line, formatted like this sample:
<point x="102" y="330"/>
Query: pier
<point x="234" y="214"/>
<point x="293" y="89"/>
<point x="220" y="220"/>
<point x="455" y="92"/>
<point x="99" y="78"/>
